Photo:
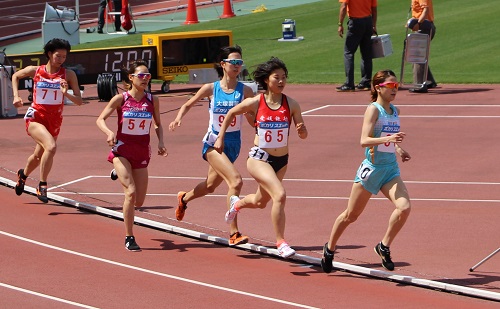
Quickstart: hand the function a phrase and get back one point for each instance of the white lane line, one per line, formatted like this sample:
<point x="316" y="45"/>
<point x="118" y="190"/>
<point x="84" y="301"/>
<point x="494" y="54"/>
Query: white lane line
<point x="46" y="296"/>
<point x="230" y="290"/>
<point x="452" y="200"/>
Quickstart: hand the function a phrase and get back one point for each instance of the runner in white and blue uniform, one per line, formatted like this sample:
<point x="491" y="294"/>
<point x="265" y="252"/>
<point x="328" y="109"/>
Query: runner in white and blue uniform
<point x="224" y="95"/>
<point x="220" y="103"/>
<point x="379" y="171"/>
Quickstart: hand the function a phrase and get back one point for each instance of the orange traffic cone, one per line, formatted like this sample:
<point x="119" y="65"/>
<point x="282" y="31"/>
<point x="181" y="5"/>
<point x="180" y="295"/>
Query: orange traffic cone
<point x="192" y="16"/>
<point x="228" y="9"/>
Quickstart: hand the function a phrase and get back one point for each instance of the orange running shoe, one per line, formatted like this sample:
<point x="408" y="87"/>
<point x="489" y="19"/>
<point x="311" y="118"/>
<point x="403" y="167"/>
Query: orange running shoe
<point x="237" y="239"/>
<point x="181" y="206"/>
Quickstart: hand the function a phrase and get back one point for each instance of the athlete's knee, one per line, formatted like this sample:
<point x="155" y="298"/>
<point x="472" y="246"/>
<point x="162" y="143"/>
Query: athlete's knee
<point x="211" y="187"/>
<point x="349" y="217"/>
<point x="404" y="206"/>
<point x="50" y="148"/>
<point x="131" y="195"/>
<point x="236" y="183"/>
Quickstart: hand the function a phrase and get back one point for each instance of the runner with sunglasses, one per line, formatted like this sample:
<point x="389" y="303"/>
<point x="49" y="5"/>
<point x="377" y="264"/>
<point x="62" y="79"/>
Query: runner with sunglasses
<point x="224" y="95"/>
<point x="131" y="150"/>
<point x="381" y="137"/>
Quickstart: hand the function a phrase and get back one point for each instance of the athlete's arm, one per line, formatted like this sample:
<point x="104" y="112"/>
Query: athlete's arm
<point x="205" y="91"/>
<point x="162" y="150"/>
<point x="28" y="71"/>
<point x="115" y="102"/>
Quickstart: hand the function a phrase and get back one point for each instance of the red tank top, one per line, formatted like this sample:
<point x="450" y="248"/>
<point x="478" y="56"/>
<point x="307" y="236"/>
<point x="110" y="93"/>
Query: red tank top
<point x="134" y="119"/>
<point x="47" y="94"/>
<point x="272" y="125"/>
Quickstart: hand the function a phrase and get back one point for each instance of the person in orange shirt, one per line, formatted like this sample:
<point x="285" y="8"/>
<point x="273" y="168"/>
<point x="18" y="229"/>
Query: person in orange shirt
<point x="422" y="21"/>
<point x="360" y="27"/>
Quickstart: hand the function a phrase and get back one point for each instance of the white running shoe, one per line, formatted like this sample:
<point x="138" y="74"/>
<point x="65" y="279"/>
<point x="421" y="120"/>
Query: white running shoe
<point x="231" y="213"/>
<point x="285" y="251"/>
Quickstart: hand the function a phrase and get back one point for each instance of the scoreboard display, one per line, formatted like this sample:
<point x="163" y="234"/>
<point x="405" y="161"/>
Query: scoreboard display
<point x="167" y="55"/>
<point x="89" y="63"/>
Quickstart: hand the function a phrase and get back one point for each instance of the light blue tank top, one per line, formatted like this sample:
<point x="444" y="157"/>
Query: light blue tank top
<point x="386" y="124"/>
<point x="219" y="106"/>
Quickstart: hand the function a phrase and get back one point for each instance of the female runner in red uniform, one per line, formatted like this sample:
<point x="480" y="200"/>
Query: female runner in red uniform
<point x="131" y="150"/>
<point x="268" y="159"/>
<point x="51" y="83"/>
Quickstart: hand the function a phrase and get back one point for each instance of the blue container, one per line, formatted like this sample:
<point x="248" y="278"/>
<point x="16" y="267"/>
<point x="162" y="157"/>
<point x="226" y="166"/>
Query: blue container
<point x="289" y="31"/>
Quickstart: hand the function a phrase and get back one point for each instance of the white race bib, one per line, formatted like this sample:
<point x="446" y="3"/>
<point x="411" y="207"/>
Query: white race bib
<point x="273" y="134"/>
<point x="388" y="131"/>
<point x="210" y="138"/>
<point x="219" y="114"/>
<point x="258" y="154"/>
<point x="48" y="93"/>
<point x="364" y="172"/>
<point x="136" y="123"/>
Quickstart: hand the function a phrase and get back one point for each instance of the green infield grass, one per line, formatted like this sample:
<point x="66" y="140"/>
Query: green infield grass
<point x="466" y="48"/>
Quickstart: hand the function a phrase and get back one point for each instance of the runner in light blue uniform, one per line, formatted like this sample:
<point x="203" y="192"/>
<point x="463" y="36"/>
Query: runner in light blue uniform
<point x="381" y="137"/>
<point x="380" y="165"/>
<point x="220" y="104"/>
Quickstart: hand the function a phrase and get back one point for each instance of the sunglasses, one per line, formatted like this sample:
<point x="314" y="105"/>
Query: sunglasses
<point x="142" y="75"/>
<point x="234" y="61"/>
<point x="390" y="85"/>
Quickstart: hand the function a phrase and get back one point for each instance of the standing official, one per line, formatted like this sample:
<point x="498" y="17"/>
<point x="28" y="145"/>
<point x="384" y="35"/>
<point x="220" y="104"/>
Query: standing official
<point x="360" y="27"/>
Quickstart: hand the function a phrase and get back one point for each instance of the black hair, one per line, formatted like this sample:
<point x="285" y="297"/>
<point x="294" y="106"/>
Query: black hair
<point x="264" y="70"/>
<point x="55" y="44"/>
<point x="223" y="54"/>
<point x="379" y="78"/>
<point x="130" y="69"/>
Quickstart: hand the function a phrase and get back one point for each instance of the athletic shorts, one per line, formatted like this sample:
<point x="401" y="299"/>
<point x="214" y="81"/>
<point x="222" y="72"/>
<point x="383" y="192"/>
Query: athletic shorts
<point x="232" y="148"/>
<point x="52" y="122"/>
<point x="138" y="155"/>
<point x="276" y="163"/>
<point x="373" y="177"/>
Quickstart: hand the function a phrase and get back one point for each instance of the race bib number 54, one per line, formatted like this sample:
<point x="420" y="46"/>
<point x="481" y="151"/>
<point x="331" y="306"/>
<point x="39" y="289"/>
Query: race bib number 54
<point x="136" y="123"/>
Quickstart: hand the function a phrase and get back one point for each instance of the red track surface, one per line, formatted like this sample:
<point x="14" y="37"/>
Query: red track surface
<point x="453" y="225"/>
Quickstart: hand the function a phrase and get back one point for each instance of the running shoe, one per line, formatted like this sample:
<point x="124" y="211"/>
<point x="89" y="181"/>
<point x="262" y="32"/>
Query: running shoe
<point x="131" y="245"/>
<point x="326" y="261"/>
<point x="181" y="206"/>
<point x="113" y="175"/>
<point x="232" y="212"/>
<point x="20" y="182"/>
<point x="41" y="193"/>
<point x="237" y="239"/>
<point x="385" y="255"/>
<point x="285" y="251"/>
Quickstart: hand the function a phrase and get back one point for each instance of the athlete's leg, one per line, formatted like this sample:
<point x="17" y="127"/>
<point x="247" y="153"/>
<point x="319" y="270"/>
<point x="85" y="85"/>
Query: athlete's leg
<point x="221" y="164"/>
<point x="357" y="202"/>
<point x="395" y="190"/>
<point x="140" y="177"/>
<point x="44" y="151"/>
<point x="270" y="182"/>
<point x="125" y="175"/>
